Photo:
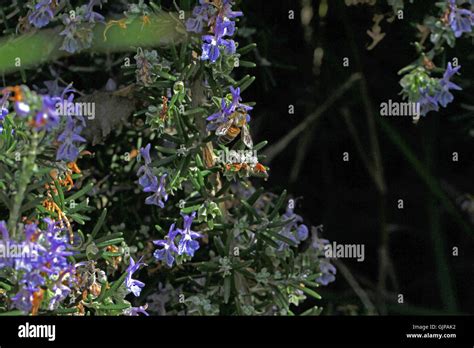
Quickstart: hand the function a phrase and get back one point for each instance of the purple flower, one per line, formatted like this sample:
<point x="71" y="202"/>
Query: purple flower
<point x="42" y="14"/>
<point x="92" y="16"/>
<point x="227" y="109"/>
<point x="47" y="118"/>
<point x="145" y="152"/>
<point x="4" y="231"/>
<point x="61" y="291"/>
<point x="23" y="299"/>
<point x="159" y="196"/>
<point x="46" y="267"/>
<point x="4" y="262"/>
<point x="220" y="117"/>
<point x="133" y="285"/>
<point x="68" y="150"/>
<point x="294" y="229"/>
<point x="78" y="30"/>
<point x="236" y="102"/>
<point x="430" y="101"/>
<point x="227" y="10"/>
<point x="147" y="179"/>
<point x="54" y="257"/>
<point x="187" y="244"/>
<point x="444" y="97"/>
<point x="200" y="16"/>
<point x="427" y="102"/>
<point x="220" y="19"/>
<point x="58" y="92"/>
<point x="316" y="242"/>
<point x="135" y="310"/>
<point x="4" y="109"/>
<point x="62" y="96"/>
<point x="30" y="231"/>
<point x="211" y="47"/>
<point x="169" y="248"/>
<point x="461" y="20"/>
<point x="224" y="27"/>
<point x="30" y="250"/>
<point x="302" y="232"/>
<point x="3" y="113"/>
<point x="70" y="43"/>
<point x="21" y="108"/>
<point x="55" y="249"/>
<point x="328" y="272"/>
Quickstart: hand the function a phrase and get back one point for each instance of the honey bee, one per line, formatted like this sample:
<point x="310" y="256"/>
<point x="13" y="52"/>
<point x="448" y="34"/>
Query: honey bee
<point x="236" y="124"/>
<point x="227" y="133"/>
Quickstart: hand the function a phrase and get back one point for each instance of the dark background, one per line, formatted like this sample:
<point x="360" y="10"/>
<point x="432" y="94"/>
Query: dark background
<point x="341" y="195"/>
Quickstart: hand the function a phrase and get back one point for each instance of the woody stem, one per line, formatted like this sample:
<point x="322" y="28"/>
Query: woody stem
<point x="27" y="170"/>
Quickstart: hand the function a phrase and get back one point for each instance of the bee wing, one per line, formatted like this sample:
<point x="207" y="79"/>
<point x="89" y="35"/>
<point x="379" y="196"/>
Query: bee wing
<point x="246" y="137"/>
<point x="223" y="128"/>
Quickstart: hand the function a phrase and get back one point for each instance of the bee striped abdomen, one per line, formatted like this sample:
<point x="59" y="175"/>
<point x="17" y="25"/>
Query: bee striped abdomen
<point x="229" y="136"/>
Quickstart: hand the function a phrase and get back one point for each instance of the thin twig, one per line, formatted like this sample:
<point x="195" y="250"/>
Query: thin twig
<point x="361" y="293"/>
<point x="384" y="247"/>
<point x="274" y="150"/>
<point x="360" y="149"/>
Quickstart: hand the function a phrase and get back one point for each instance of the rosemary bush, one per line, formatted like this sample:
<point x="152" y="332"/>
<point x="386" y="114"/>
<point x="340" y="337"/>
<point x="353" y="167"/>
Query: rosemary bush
<point x="130" y="183"/>
<point x="143" y="196"/>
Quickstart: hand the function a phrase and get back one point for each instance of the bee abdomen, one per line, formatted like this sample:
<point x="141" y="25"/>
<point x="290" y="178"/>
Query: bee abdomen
<point x="229" y="136"/>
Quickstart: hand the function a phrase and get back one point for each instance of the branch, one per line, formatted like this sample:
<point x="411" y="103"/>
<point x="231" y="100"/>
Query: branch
<point x="42" y="46"/>
<point x="361" y="293"/>
<point x="274" y="150"/>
